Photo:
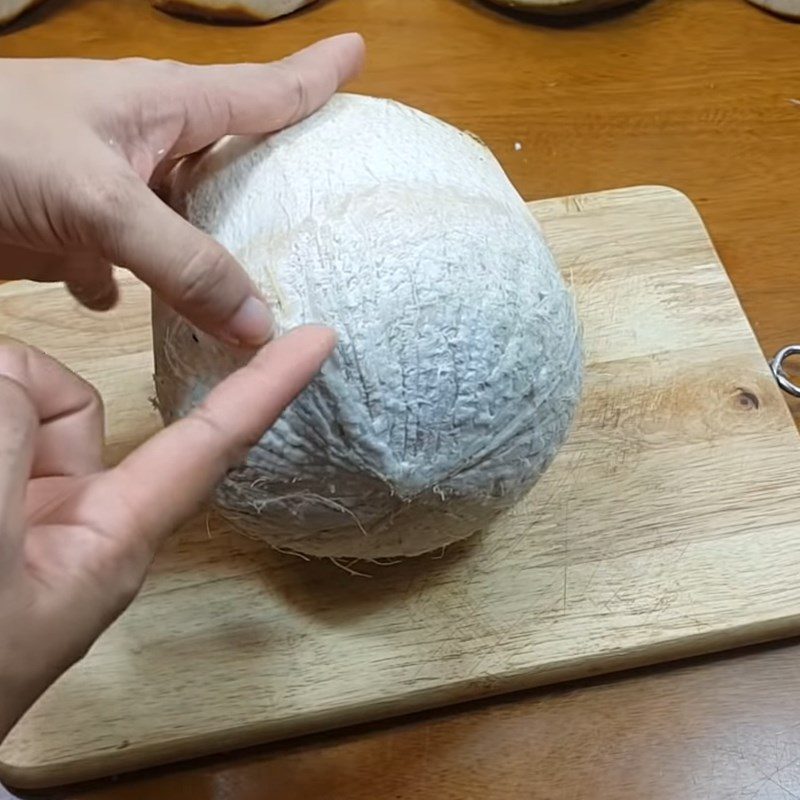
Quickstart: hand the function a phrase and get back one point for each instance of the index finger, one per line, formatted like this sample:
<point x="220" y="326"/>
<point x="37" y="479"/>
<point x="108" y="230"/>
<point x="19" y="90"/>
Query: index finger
<point x="241" y="99"/>
<point x="165" y="480"/>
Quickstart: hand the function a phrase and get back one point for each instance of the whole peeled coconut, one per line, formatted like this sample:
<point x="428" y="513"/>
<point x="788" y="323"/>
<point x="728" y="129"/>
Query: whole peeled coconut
<point x="459" y="364"/>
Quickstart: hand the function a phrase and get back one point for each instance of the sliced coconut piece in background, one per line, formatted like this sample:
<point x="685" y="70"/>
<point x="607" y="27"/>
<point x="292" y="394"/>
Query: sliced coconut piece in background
<point x="560" y="7"/>
<point x="13" y="9"/>
<point x="784" y="8"/>
<point x="231" y="10"/>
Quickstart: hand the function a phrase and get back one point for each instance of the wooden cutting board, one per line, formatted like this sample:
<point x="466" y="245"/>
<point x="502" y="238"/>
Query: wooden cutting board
<point x="668" y="526"/>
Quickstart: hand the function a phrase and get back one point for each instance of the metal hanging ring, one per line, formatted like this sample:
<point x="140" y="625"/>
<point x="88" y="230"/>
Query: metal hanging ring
<point x="780" y="374"/>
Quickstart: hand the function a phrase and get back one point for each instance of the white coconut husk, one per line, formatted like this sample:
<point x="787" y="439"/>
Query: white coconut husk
<point x="459" y="362"/>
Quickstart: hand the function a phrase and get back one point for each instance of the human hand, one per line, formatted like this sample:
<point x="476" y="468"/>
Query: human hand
<point x="75" y="539"/>
<point x="81" y="140"/>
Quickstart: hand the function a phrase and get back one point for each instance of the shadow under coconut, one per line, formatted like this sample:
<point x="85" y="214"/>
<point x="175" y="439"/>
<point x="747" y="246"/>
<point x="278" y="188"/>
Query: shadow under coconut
<point x="208" y="549"/>
<point x="337" y="593"/>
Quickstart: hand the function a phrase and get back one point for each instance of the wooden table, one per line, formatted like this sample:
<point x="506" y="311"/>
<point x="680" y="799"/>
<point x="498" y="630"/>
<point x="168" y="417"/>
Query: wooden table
<point x="703" y="95"/>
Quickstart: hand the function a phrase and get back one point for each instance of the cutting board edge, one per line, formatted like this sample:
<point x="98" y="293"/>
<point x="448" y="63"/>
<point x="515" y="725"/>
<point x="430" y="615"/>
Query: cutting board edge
<point x="613" y="663"/>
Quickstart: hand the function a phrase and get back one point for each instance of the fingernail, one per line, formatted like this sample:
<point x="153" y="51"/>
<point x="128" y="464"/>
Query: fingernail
<point x="251" y="324"/>
<point x="95" y="297"/>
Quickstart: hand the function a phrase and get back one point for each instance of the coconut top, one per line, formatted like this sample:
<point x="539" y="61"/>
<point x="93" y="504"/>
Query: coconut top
<point x="458" y="364"/>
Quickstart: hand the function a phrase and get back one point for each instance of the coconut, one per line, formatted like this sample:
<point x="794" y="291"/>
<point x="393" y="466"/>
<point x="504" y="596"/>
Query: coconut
<point x="231" y="10"/>
<point x="458" y="367"/>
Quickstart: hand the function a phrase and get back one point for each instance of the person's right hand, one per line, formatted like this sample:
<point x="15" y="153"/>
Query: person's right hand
<point x="80" y="142"/>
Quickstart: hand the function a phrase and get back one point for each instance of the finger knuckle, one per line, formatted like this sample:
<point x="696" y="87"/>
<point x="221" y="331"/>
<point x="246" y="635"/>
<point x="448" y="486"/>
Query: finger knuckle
<point x="18" y="366"/>
<point x="103" y="206"/>
<point x="119" y="562"/>
<point x="12" y="354"/>
<point x="148" y="68"/>
<point x="219" y="432"/>
<point x="173" y="78"/>
<point x="170" y="67"/>
<point x="19" y="419"/>
<point x="202" y="277"/>
<point x="15" y="360"/>
<point x="226" y="440"/>
<point x="295" y="92"/>
<point x="129" y="577"/>
<point x="119" y="572"/>
<point x="94" y="400"/>
<point x="133" y="62"/>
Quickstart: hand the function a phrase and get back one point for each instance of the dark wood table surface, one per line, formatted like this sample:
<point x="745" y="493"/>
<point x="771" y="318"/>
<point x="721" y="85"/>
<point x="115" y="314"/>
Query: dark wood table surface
<point x="702" y="95"/>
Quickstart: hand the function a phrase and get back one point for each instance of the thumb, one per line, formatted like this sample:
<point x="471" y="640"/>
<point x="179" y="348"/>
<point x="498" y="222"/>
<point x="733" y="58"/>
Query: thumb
<point x="188" y="269"/>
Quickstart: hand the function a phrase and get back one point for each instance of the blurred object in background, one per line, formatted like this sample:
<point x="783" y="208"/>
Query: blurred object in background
<point x="563" y="7"/>
<point x="784" y="8"/>
<point x="230" y="11"/>
<point x="13" y="9"/>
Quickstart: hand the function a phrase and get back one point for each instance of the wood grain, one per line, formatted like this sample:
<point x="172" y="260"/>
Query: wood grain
<point x="666" y="527"/>
<point x="608" y="102"/>
<point x="721" y="729"/>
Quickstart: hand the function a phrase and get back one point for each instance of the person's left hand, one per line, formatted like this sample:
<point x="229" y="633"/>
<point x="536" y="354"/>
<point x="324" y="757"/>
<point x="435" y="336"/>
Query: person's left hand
<point x="77" y="539"/>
